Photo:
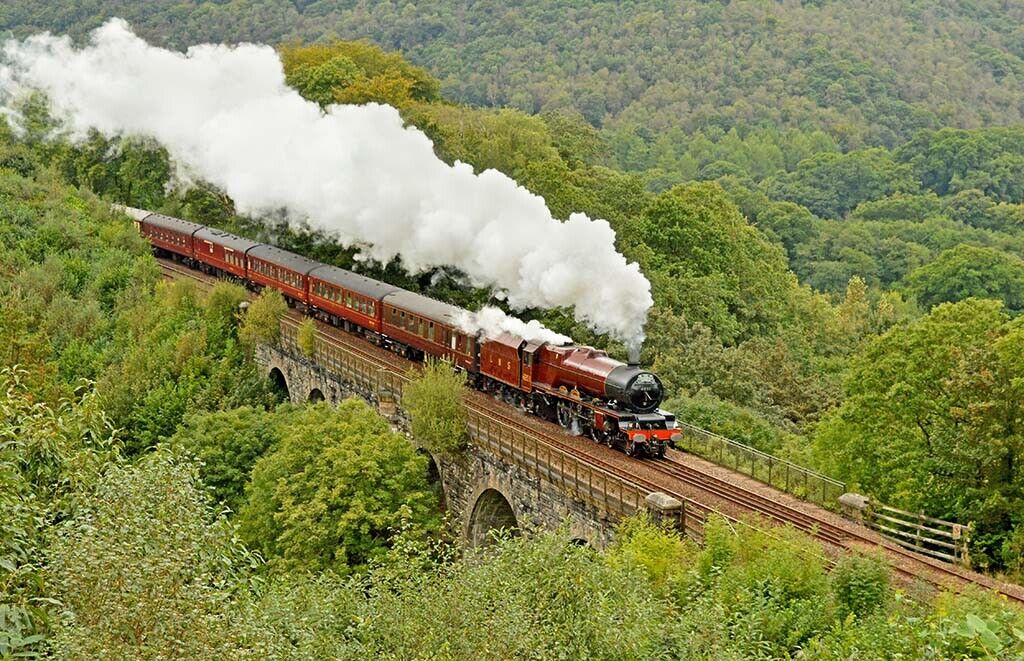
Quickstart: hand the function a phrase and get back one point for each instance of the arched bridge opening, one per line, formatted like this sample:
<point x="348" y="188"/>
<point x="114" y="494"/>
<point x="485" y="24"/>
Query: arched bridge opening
<point x="492" y="512"/>
<point x="435" y="481"/>
<point x="315" y="395"/>
<point x="279" y="383"/>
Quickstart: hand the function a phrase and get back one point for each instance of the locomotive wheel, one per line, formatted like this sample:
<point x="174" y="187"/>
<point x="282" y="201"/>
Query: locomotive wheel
<point x="630" y="449"/>
<point x="565" y="416"/>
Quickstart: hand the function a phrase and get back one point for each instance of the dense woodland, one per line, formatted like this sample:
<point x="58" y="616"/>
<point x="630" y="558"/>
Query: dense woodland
<point x="837" y="279"/>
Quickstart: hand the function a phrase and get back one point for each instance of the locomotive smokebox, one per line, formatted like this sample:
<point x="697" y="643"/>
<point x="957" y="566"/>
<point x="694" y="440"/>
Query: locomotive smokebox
<point x="635" y="389"/>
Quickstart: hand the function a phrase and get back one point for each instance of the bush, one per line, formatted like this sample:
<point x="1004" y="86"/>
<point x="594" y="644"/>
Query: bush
<point x="145" y="569"/>
<point x="262" y="322"/>
<point x="860" y="585"/>
<point x="433" y="400"/>
<point x="307" y="337"/>
<point x="335" y="490"/>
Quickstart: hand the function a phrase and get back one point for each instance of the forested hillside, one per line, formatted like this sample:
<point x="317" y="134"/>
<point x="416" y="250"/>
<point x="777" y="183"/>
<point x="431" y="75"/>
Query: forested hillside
<point x="863" y="72"/>
<point x="770" y="293"/>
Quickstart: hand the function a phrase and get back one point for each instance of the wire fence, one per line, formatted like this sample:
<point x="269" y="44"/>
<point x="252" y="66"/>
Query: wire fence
<point x="801" y="482"/>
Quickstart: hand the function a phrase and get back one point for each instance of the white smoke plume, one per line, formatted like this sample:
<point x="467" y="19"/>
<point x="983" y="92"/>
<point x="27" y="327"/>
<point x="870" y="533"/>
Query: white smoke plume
<point x="492" y="322"/>
<point x="355" y="172"/>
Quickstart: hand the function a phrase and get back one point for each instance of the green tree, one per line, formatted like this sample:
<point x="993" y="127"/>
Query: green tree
<point x="262" y="322"/>
<point x="307" y="337"/>
<point x="228" y="444"/>
<point x="433" y="400"/>
<point x="968" y="271"/>
<point x="832" y="185"/>
<point x="708" y="264"/>
<point x="335" y="490"/>
<point x="929" y="421"/>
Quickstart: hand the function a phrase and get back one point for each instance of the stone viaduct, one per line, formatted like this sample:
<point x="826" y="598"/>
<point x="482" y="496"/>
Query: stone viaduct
<point x="504" y="479"/>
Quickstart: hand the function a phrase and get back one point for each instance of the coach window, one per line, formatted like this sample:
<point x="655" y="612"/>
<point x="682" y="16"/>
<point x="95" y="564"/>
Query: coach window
<point x="430" y="332"/>
<point x="373" y="309"/>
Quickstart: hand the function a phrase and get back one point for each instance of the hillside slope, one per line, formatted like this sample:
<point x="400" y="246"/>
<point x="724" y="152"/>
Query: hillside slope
<point x="865" y="72"/>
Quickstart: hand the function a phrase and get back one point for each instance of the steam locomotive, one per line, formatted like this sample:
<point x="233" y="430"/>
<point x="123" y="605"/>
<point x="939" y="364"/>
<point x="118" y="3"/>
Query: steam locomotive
<point x="581" y="388"/>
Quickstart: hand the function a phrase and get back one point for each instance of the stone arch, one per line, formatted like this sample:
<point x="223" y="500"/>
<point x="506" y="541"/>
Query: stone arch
<point x="280" y="383"/>
<point x="315" y="395"/>
<point x="492" y="511"/>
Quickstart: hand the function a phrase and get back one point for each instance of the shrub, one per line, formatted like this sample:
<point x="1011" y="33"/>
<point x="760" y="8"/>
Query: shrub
<point x="262" y="322"/>
<point x="860" y="585"/>
<point x="145" y="568"/>
<point x="433" y="400"/>
<point x="335" y="490"/>
<point x="307" y="337"/>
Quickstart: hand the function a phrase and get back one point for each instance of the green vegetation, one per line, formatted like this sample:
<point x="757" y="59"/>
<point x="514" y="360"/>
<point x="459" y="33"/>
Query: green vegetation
<point x="433" y="400"/>
<point x="834" y="230"/>
<point x="930" y="419"/>
<point x="771" y="282"/>
<point x="306" y="337"/>
<point x="262" y="321"/>
<point x="333" y="491"/>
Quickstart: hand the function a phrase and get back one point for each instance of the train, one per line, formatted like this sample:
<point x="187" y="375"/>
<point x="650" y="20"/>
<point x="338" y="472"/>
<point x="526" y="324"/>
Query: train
<point x="581" y="388"/>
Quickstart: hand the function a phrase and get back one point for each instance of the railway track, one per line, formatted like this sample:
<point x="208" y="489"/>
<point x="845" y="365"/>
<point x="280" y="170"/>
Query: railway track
<point x="672" y="475"/>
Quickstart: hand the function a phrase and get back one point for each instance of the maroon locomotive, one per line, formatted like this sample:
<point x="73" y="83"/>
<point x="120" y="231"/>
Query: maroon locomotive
<point x="581" y="388"/>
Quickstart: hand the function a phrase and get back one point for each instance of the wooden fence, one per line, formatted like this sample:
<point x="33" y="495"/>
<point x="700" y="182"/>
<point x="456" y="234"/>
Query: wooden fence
<point x="925" y="534"/>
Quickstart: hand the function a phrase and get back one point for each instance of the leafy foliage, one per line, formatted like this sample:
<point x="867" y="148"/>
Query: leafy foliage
<point x="228" y="443"/>
<point x="262" y="322"/>
<point x="145" y="568"/>
<point x="937" y="399"/>
<point x="861" y="585"/>
<point x="335" y="490"/>
<point x="433" y="400"/>
<point x="965" y="272"/>
<point x="306" y="337"/>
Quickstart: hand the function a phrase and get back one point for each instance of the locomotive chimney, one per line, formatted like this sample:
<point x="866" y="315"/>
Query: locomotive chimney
<point x="634" y="356"/>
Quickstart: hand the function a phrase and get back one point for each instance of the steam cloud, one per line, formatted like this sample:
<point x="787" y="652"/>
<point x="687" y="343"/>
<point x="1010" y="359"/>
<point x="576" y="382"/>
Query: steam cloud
<point x="492" y="322"/>
<point x="354" y="172"/>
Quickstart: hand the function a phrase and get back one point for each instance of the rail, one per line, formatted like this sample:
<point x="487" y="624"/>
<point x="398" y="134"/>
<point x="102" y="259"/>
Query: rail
<point x="801" y="482"/>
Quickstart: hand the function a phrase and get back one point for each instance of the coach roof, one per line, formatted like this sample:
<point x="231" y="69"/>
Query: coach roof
<point x="172" y="224"/>
<point x="359" y="284"/>
<point x="425" y="307"/>
<point x="223" y="238"/>
<point x="288" y="260"/>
